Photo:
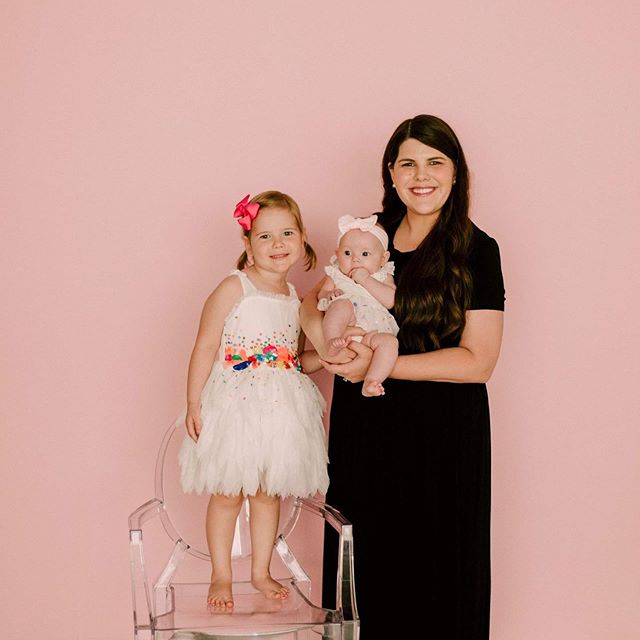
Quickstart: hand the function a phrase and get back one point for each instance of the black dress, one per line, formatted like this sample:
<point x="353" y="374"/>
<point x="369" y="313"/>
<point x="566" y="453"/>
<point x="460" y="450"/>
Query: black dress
<point x="420" y="453"/>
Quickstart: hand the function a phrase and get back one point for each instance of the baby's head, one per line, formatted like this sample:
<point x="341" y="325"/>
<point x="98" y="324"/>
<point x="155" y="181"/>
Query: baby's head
<point x="361" y="243"/>
<point x="263" y="207"/>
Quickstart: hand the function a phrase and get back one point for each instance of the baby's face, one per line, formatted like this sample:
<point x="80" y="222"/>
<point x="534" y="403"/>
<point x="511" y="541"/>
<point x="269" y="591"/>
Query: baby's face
<point x="360" y="249"/>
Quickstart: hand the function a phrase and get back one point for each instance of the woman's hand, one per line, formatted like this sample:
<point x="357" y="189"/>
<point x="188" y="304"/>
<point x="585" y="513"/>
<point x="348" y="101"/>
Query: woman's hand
<point x="356" y="369"/>
<point x="342" y="357"/>
<point x="347" y="354"/>
<point x="193" y="421"/>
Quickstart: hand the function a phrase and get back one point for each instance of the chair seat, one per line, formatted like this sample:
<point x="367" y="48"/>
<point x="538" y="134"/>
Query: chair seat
<point x="252" y="614"/>
<point x="173" y="604"/>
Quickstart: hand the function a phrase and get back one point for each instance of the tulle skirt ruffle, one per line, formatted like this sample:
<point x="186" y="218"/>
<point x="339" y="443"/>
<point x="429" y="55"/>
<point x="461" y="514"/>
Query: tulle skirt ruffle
<point x="262" y="429"/>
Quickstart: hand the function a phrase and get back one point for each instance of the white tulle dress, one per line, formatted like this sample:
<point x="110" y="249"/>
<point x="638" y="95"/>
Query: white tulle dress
<point x="371" y="314"/>
<point x="261" y="416"/>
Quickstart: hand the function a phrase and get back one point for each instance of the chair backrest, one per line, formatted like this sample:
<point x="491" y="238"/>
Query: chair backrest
<point x="183" y="515"/>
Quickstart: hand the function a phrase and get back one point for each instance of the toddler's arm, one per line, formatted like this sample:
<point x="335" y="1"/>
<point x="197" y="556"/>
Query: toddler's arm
<point x="309" y="359"/>
<point x="383" y="292"/>
<point x="216" y="309"/>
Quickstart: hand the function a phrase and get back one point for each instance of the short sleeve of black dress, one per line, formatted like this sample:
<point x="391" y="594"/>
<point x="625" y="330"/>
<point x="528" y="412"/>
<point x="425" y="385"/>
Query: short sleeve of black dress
<point x="486" y="273"/>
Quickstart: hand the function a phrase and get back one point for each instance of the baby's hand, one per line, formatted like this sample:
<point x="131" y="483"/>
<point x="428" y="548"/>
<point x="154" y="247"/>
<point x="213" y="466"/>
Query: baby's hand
<point x="359" y="275"/>
<point x="336" y="293"/>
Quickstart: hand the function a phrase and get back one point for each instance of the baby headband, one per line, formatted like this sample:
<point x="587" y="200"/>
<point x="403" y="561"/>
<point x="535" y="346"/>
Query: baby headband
<point x="347" y="223"/>
<point x="245" y="212"/>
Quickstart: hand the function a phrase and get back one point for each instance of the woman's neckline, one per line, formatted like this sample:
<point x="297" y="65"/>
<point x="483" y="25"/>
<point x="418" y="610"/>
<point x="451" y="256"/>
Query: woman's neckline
<point x="392" y="237"/>
<point x="393" y="246"/>
<point x="393" y="243"/>
<point x="394" y="231"/>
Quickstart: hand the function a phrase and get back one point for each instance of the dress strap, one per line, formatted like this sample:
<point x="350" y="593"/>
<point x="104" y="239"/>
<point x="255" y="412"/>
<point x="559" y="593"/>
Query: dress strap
<point x="247" y="285"/>
<point x="292" y="290"/>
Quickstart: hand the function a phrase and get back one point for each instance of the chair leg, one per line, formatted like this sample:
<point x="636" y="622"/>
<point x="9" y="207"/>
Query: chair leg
<point x="163" y="596"/>
<point x="290" y="561"/>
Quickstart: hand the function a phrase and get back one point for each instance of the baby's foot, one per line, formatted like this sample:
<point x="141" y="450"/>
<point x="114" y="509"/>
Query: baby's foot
<point x="335" y="345"/>
<point x="270" y="588"/>
<point x="220" y="596"/>
<point x="372" y="388"/>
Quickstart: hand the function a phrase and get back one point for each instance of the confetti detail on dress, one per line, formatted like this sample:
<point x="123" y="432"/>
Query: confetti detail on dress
<point x="272" y="355"/>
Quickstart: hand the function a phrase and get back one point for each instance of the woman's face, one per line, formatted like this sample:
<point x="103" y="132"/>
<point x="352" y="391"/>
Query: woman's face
<point x="423" y="177"/>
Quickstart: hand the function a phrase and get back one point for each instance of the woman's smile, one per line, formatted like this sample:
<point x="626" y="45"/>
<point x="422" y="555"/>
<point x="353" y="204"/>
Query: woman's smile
<point x="422" y="191"/>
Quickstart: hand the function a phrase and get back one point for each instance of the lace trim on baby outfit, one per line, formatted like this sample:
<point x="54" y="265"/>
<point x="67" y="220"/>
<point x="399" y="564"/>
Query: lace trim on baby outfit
<point x="387" y="269"/>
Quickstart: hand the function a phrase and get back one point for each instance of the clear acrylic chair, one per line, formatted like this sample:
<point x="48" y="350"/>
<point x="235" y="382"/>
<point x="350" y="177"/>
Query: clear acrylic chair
<point x="172" y="605"/>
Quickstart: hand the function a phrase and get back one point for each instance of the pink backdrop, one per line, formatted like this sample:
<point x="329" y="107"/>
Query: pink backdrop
<point x="129" y="131"/>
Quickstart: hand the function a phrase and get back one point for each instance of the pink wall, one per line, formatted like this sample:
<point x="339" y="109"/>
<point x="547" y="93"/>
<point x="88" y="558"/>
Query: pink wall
<point x="131" y="128"/>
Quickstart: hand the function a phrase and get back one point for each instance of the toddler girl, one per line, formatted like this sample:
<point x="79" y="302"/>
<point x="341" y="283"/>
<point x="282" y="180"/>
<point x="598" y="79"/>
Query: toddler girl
<point x="254" y="419"/>
<point x="359" y="290"/>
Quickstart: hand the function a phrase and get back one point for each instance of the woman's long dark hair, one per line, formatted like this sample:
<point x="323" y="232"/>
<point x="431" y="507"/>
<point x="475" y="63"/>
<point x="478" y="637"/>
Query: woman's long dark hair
<point x="434" y="289"/>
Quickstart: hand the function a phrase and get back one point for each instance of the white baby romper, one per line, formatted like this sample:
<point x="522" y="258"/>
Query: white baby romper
<point x="261" y="416"/>
<point x="371" y="314"/>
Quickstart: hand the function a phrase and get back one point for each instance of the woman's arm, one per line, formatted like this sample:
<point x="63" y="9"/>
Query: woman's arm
<point x="216" y="308"/>
<point x="472" y="361"/>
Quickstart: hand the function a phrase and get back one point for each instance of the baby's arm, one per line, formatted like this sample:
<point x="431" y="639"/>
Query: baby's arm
<point x="326" y="290"/>
<point x="216" y="309"/>
<point x="383" y="292"/>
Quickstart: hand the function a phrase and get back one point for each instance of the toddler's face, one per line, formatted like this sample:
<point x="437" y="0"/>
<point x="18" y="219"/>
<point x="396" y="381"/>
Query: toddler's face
<point x="275" y="243"/>
<point x="360" y="249"/>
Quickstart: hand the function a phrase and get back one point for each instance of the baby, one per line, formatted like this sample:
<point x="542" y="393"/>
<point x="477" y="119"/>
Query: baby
<point x="358" y="291"/>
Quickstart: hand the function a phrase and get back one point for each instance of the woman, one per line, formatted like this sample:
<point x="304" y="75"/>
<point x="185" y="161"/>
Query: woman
<point x="422" y="451"/>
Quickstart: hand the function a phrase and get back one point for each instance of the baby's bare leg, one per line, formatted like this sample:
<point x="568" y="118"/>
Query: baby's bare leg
<point x="222" y="513"/>
<point x="385" y="354"/>
<point x="263" y="524"/>
<point x="336" y="319"/>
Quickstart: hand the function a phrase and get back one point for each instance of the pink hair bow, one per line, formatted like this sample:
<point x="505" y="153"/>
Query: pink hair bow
<point x="347" y="223"/>
<point x="245" y="212"/>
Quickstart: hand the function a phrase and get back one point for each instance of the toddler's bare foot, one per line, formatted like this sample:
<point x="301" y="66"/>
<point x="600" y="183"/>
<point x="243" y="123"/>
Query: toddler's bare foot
<point x="220" y="596"/>
<point x="335" y="345"/>
<point x="270" y="588"/>
<point x="372" y="388"/>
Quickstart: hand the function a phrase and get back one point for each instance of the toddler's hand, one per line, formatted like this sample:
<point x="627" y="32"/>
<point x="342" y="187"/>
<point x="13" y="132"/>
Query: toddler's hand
<point x="193" y="422"/>
<point x="359" y="275"/>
